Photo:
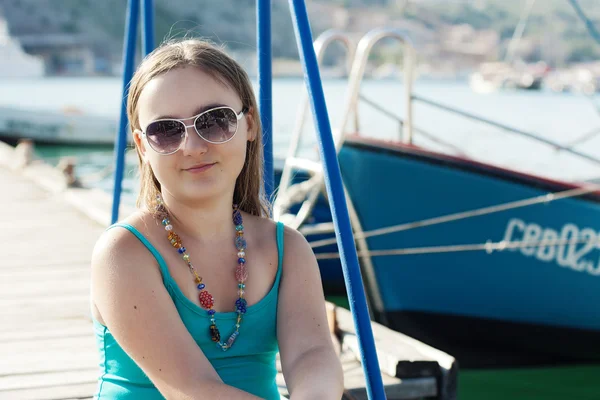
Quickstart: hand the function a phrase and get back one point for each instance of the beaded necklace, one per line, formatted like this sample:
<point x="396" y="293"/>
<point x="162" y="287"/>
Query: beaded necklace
<point x="206" y="299"/>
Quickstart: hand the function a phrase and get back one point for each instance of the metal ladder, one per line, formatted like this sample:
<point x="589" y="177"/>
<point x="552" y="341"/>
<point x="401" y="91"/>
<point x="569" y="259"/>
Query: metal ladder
<point x="311" y="189"/>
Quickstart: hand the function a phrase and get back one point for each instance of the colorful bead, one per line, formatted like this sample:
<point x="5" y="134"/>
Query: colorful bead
<point x="169" y="227"/>
<point x="232" y="338"/>
<point x="241" y="285"/>
<point x="241" y="254"/>
<point x="240" y="243"/>
<point x="241" y="305"/>
<point x="181" y="250"/>
<point x="214" y="333"/>
<point x="186" y="257"/>
<point x="237" y="217"/>
<point x="241" y="260"/>
<point x="165" y="222"/>
<point x="211" y="312"/>
<point x="201" y="286"/>
<point x="241" y="273"/>
<point x="241" y="302"/>
<point x="206" y="299"/>
<point x="239" y="228"/>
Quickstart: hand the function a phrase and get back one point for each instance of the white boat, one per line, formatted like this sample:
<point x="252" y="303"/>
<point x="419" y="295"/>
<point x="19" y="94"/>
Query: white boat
<point x="14" y="62"/>
<point x="56" y="127"/>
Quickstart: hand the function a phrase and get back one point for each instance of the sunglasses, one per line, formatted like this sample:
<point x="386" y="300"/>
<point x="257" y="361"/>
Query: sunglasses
<point x="217" y="125"/>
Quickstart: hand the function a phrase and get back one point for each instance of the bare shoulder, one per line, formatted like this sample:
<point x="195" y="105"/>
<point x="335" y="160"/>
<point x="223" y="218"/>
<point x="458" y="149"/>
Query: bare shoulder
<point x="294" y="242"/>
<point x="262" y="229"/>
<point x="119" y="261"/>
<point x="117" y="246"/>
<point x="297" y="247"/>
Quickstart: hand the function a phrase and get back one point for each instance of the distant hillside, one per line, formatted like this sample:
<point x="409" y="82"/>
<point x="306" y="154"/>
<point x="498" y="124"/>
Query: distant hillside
<point x="554" y="32"/>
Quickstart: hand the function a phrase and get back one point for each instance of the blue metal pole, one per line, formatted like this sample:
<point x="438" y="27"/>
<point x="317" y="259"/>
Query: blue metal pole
<point x="265" y="89"/>
<point x="147" y="26"/>
<point x="337" y="200"/>
<point x="588" y="23"/>
<point x="133" y="11"/>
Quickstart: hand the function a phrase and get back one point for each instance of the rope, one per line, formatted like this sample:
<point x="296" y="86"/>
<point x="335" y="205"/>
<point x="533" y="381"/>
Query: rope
<point x="489" y="247"/>
<point x="583" y="138"/>
<point x="546" y="198"/>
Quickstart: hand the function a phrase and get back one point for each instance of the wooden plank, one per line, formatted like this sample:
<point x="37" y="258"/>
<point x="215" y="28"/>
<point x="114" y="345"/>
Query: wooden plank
<point x="41" y="363"/>
<point x="21" y="288"/>
<point x="48" y="380"/>
<point x="395" y="388"/>
<point x="47" y="271"/>
<point x="402" y="356"/>
<point x="74" y="391"/>
<point x="46" y="329"/>
<point x="25" y="346"/>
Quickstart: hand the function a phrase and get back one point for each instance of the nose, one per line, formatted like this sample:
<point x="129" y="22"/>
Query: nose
<point x="193" y="143"/>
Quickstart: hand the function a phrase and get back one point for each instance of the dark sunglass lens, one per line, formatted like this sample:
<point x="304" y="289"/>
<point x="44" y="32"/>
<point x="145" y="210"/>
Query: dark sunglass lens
<point x="217" y="125"/>
<point x="165" y="136"/>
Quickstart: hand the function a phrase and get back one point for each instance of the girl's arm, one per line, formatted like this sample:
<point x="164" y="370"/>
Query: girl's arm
<point x="311" y="367"/>
<point x="128" y="291"/>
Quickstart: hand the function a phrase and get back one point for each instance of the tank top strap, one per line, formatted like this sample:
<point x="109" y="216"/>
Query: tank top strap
<point x="164" y="270"/>
<point x="280" y="251"/>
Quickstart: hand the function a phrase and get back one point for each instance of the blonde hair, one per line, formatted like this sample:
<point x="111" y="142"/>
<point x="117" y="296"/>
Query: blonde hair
<point x="249" y="190"/>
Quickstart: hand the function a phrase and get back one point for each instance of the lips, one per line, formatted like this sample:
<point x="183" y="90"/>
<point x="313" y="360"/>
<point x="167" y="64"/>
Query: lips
<point x="199" y="167"/>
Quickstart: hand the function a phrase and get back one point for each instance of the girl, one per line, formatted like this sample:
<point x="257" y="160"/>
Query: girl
<point x="194" y="294"/>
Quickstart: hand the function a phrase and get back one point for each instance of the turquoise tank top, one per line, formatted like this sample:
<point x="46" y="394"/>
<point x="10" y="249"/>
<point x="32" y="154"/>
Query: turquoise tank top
<point x="249" y="365"/>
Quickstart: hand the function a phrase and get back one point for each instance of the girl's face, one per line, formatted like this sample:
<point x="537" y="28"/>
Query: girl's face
<point x="199" y="170"/>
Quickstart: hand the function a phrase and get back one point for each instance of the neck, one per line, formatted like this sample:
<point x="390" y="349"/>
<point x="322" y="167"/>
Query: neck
<point x="204" y="221"/>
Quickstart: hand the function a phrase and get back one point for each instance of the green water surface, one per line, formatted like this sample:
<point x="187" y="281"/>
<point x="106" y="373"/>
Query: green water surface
<point x="551" y="383"/>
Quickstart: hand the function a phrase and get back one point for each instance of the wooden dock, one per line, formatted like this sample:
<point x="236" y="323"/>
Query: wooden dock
<point x="46" y="337"/>
<point x="47" y="344"/>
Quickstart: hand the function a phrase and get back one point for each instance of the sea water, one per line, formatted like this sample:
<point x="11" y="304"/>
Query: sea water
<point x="558" y="117"/>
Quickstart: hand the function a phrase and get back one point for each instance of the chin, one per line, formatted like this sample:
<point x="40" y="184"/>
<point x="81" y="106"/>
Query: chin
<point x="203" y="192"/>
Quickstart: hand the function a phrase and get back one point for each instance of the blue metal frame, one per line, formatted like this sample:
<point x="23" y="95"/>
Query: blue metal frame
<point x="588" y="23"/>
<point x="133" y="12"/>
<point x="147" y="26"/>
<point x="337" y="200"/>
<point x="265" y="89"/>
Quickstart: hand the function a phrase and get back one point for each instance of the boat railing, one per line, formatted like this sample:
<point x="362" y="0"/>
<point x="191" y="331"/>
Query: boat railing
<point x="407" y="126"/>
<point x="420" y="131"/>
<point x="557" y="146"/>
<point x="292" y="161"/>
<point x="363" y="51"/>
<point x="310" y="190"/>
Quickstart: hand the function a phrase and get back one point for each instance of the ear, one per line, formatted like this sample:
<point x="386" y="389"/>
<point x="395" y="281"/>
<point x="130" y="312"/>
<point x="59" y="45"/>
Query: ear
<point x="252" y="130"/>
<point x="140" y="144"/>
